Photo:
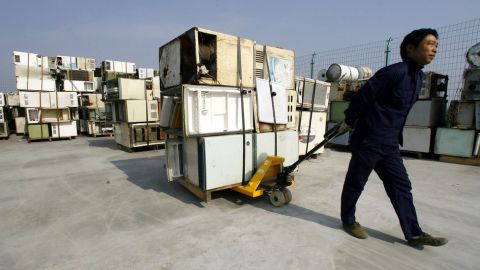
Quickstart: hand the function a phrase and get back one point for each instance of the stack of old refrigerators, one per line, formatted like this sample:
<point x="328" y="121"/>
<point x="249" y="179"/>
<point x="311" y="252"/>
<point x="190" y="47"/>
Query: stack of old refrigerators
<point x="134" y="105"/>
<point x="47" y="92"/>
<point x="227" y="104"/>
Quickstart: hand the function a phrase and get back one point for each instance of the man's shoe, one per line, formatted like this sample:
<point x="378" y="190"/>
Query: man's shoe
<point x="355" y="230"/>
<point x="427" y="240"/>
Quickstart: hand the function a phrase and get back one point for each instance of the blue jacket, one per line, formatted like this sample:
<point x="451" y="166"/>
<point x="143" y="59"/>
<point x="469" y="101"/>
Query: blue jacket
<point x="380" y="108"/>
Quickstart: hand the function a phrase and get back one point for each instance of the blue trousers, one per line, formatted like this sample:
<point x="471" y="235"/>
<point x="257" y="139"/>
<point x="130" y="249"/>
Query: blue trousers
<point x="388" y="164"/>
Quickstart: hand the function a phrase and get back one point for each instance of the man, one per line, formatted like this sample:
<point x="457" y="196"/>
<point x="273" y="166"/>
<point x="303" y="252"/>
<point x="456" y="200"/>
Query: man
<point x="379" y="111"/>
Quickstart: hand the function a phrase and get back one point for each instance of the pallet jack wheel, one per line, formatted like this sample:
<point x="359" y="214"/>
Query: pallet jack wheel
<point x="277" y="198"/>
<point x="288" y="195"/>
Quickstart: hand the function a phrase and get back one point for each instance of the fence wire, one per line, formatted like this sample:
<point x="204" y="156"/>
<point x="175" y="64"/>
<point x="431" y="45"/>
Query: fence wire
<point x="454" y="42"/>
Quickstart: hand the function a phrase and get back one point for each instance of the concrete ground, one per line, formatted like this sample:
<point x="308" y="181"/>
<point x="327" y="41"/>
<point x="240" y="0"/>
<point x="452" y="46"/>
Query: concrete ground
<point x="84" y="204"/>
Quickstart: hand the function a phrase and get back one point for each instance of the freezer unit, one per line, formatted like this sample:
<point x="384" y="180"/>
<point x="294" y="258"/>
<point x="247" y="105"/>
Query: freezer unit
<point x="38" y="131"/>
<point x="48" y="100"/>
<point x="4" y="130"/>
<point x="417" y="139"/>
<point x="63" y="129"/>
<point x="477" y="115"/>
<point x="137" y="135"/>
<point x="461" y="114"/>
<point x="91" y="101"/>
<point x="280" y="67"/>
<point x="118" y="67"/>
<point x="317" y="130"/>
<point x="2" y="115"/>
<point x="427" y="113"/>
<point x="201" y="56"/>
<point x="12" y="98"/>
<point x="216" y="161"/>
<point x="31" y="65"/>
<point x="123" y="89"/>
<point x="305" y="88"/>
<point x="215" y="110"/>
<point x="133" y="111"/>
<point x="337" y="110"/>
<point x="174" y="159"/>
<point x="20" y="123"/>
<point x="145" y="73"/>
<point x="79" y="86"/>
<point x="471" y="84"/>
<point x="433" y="85"/>
<point x="287" y="146"/>
<point x="36" y="84"/>
<point x="454" y="142"/>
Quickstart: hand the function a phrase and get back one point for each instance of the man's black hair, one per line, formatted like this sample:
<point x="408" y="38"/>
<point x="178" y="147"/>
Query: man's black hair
<point x="414" y="38"/>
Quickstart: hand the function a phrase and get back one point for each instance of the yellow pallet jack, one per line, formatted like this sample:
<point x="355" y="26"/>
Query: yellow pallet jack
<point x="273" y="178"/>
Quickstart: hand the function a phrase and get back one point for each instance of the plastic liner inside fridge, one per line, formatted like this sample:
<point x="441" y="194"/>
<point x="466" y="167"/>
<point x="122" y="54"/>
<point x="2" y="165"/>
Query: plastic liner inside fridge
<point x="305" y="88"/>
<point x="215" y="110"/>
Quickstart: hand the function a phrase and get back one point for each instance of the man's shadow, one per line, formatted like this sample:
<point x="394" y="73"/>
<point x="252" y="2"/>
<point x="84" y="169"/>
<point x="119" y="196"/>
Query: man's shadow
<point x="296" y="211"/>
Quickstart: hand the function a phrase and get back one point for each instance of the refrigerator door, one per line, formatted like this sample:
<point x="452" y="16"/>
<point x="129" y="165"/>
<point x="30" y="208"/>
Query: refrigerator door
<point x="209" y="164"/>
<point x="287" y="146"/>
<point x="174" y="159"/>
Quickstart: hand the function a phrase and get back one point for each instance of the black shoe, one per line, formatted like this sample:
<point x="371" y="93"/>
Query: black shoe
<point x="355" y="230"/>
<point x="427" y="240"/>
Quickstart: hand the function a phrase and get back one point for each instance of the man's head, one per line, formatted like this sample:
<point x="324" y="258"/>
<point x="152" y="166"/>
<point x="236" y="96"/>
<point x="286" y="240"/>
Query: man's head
<point x="420" y="46"/>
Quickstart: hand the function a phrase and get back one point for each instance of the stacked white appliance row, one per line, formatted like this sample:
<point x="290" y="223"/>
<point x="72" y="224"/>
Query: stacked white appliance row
<point x="135" y="112"/>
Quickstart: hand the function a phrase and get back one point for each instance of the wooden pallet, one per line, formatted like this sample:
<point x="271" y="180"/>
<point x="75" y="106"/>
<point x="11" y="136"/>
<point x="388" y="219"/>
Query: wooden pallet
<point x="418" y="155"/>
<point x="98" y="135"/>
<point x="460" y="160"/>
<point x="50" y="139"/>
<point x="204" y="195"/>
<point x="141" y="148"/>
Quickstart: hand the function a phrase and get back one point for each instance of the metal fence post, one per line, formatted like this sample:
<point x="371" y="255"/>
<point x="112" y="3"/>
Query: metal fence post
<point x="387" y="50"/>
<point x="311" y="65"/>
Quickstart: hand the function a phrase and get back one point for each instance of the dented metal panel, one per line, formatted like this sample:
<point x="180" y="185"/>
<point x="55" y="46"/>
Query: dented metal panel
<point x="201" y="56"/>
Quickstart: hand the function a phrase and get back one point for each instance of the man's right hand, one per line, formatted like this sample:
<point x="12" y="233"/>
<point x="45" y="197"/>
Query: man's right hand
<point x="344" y="128"/>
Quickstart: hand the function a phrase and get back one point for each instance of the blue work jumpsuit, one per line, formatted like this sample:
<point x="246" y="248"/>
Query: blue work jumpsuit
<point x="379" y="111"/>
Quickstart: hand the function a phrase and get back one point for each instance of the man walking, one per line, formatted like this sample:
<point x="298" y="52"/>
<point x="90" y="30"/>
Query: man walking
<point x="378" y="112"/>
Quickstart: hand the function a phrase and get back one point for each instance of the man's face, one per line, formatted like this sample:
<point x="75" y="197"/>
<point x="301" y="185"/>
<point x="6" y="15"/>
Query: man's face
<point x="425" y="52"/>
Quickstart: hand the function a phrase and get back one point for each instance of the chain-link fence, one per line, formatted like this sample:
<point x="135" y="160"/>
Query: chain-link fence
<point x="454" y="41"/>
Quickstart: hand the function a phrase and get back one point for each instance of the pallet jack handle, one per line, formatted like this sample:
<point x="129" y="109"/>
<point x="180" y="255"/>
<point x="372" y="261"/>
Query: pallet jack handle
<point x="330" y="135"/>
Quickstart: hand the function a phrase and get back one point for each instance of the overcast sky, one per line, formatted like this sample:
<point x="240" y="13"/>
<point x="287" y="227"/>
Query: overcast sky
<point x="134" y="30"/>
